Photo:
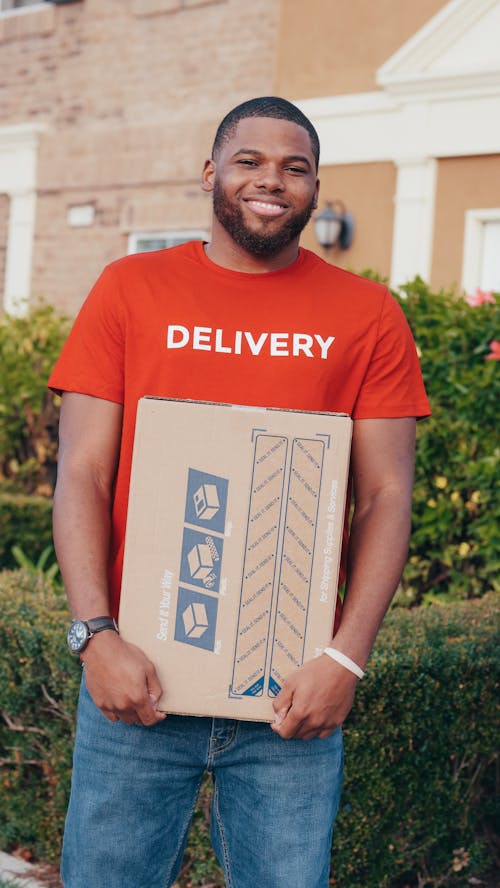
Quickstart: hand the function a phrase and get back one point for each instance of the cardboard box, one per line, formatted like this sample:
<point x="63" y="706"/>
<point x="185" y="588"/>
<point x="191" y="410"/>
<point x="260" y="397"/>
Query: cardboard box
<point x="232" y="549"/>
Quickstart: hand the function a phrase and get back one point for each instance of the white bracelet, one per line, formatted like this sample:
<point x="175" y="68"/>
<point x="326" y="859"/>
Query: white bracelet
<point x="344" y="660"/>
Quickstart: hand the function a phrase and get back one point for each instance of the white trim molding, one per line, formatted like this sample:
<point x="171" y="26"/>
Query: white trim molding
<point x="475" y="221"/>
<point x="457" y="49"/>
<point x="18" y="153"/>
<point x="413" y="232"/>
<point x="439" y="97"/>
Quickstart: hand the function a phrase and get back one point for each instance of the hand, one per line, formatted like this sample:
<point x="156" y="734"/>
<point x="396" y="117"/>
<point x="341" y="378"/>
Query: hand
<point x="121" y="680"/>
<point x="314" y="700"/>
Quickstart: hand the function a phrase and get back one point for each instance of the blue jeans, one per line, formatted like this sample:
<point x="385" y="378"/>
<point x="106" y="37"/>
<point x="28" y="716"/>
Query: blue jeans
<point x="134" y="790"/>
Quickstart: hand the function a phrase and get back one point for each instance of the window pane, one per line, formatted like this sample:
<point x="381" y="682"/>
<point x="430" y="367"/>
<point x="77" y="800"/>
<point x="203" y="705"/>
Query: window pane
<point x="17" y="4"/>
<point x="490" y="262"/>
<point x="160" y="240"/>
<point x="144" y="245"/>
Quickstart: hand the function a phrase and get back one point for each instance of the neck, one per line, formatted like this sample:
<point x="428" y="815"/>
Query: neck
<point x="224" y="251"/>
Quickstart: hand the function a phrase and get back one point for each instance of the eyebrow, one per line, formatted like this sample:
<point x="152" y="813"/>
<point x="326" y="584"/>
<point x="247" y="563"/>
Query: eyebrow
<point x="292" y="158"/>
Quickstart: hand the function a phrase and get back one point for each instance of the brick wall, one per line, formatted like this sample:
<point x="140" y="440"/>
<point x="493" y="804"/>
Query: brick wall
<point x="129" y="94"/>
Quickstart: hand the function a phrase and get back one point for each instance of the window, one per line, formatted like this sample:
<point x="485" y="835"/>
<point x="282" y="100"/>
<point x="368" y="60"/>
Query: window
<point x="490" y="258"/>
<point x="145" y="241"/>
<point x="18" y="4"/>
<point x="481" y="264"/>
<point x="12" y="5"/>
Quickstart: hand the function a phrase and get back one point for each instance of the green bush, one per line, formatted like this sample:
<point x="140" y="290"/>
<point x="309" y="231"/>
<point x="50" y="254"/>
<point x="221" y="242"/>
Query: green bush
<point x="38" y="686"/>
<point x="420" y="743"/>
<point x="26" y="521"/>
<point x="29" y="347"/>
<point x="455" y="546"/>
<point x="422" y="752"/>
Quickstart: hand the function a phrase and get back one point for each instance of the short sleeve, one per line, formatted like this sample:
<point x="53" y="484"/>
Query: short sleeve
<point x="393" y="385"/>
<point x="92" y="359"/>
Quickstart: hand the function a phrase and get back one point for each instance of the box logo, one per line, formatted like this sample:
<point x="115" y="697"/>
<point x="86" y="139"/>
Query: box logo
<point x="201" y="559"/>
<point x="196" y="619"/>
<point x="206" y="500"/>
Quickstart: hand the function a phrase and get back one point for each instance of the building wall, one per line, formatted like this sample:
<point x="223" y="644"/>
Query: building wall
<point x="332" y="47"/>
<point x="4" y="221"/>
<point x="367" y="190"/>
<point x="463" y="183"/>
<point x="129" y="94"/>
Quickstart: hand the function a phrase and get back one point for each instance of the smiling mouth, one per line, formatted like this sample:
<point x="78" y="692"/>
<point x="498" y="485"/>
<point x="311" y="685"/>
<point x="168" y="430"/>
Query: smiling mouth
<point x="263" y="208"/>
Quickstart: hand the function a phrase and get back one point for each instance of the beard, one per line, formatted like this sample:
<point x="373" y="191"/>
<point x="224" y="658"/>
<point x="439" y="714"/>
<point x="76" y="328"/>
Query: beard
<point x="263" y="244"/>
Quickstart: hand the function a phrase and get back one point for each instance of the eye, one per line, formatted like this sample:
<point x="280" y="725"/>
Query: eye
<point x="247" y="162"/>
<point x="297" y="170"/>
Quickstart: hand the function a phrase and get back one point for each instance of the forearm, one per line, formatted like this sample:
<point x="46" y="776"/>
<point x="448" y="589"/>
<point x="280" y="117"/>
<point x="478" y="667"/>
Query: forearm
<point x="82" y="521"/>
<point x="378" y="550"/>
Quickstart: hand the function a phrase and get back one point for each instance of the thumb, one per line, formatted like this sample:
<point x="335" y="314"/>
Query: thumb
<point x="154" y="687"/>
<point x="283" y="700"/>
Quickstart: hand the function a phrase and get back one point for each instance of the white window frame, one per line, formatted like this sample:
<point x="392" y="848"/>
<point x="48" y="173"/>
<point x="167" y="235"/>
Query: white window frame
<point x="21" y="10"/>
<point x="172" y="238"/>
<point x="475" y="221"/>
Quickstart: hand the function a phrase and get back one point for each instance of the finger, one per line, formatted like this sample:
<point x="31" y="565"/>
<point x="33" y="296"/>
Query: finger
<point x="147" y="715"/>
<point x="290" y="726"/>
<point x="279" y="717"/>
<point x="283" y="700"/>
<point x="155" y="689"/>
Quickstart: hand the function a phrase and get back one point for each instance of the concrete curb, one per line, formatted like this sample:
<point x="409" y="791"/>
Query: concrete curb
<point x="17" y="872"/>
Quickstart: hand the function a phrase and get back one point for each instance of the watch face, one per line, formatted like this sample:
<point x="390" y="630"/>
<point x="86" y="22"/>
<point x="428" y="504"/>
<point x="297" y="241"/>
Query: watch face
<point x="78" y="636"/>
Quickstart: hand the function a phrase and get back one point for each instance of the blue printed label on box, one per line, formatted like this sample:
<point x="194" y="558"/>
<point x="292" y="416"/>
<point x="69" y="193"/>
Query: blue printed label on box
<point x="201" y="559"/>
<point x="206" y="500"/>
<point x="196" y="619"/>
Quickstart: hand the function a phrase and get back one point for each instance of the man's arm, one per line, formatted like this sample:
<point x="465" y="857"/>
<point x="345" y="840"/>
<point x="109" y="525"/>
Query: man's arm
<point x="318" y="697"/>
<point x="120" y="678"/>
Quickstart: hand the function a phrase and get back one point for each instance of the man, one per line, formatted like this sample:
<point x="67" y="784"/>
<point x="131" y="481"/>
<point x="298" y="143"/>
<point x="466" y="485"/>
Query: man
<point x="136" y="772"/>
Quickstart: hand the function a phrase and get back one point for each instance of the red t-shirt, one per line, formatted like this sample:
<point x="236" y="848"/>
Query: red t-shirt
<point x="173" y="324"/>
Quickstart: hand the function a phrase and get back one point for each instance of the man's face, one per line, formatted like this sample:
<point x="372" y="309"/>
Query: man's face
<point x="264" y="185"/>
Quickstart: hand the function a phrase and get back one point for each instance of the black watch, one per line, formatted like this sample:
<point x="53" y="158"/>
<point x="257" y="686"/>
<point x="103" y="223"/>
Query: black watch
<point x="81" y="631"/>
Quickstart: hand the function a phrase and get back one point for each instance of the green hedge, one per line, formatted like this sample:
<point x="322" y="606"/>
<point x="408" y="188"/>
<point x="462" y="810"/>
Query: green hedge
<point x="29" y="347"/>
<point x="455" y="546"/>
<point x="26" y="521"/>
<point x="421" y="743"/>
<point x="422" y="751"/>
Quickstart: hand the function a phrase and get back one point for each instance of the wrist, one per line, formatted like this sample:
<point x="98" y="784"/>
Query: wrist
<point x="81" y="632"/>
<point x="344" y="661"/>
<point x="98" y="646"/>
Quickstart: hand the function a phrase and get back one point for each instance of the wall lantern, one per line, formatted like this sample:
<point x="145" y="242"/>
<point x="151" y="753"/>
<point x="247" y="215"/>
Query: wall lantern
<point x="334" y="227"/>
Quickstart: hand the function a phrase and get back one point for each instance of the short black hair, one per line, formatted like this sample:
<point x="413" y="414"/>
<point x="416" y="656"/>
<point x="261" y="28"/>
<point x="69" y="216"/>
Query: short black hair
<point x="265" y="106"/>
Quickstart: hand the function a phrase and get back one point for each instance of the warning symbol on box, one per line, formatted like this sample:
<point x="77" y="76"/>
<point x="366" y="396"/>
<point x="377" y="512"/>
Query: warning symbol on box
<point x="206" y="500"/>
<point x="196" y="619"/>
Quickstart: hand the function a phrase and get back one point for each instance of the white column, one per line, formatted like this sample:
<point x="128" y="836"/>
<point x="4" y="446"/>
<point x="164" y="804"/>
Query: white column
<point x="19" y="253"/>
<point x="18" y="154"/>
<point x="413" y="220"/>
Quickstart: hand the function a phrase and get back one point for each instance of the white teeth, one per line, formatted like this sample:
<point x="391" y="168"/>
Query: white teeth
<point x="267" y="206"/>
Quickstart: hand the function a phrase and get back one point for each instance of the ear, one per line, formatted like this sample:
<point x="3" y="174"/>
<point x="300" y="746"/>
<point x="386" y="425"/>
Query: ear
<point x="315" y="200"/>
<point x="207" y="176"/>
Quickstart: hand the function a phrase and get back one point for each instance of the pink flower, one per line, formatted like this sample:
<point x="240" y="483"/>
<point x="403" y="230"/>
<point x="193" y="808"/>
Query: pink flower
<point x="480" y="297"/>
<point x="494" y="354"/>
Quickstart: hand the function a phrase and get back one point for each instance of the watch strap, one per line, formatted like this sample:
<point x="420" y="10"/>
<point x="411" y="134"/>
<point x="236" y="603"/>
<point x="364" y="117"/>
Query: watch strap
<point x="97" y="624"/>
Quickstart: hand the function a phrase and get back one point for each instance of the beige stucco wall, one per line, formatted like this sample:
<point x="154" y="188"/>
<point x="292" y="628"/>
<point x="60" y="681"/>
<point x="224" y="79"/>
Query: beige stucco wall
<point x="463" y="183"/>
<point x="330" y="47"/>
<point x="367" y="191"/>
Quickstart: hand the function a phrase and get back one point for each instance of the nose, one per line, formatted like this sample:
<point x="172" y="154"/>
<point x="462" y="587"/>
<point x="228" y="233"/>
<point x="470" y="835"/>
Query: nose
<point x="269" y="177"/>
